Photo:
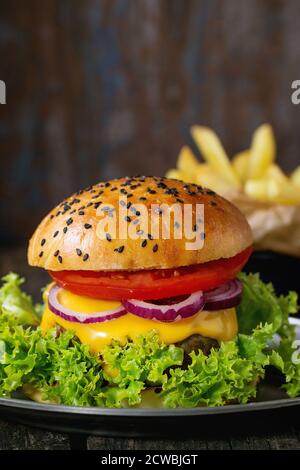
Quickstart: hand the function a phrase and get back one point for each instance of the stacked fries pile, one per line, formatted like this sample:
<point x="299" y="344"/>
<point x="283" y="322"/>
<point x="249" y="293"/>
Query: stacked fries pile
<point x="252" y="172"/>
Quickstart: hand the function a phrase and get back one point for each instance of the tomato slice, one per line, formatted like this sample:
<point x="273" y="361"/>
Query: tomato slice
<point x="153" y="283"/>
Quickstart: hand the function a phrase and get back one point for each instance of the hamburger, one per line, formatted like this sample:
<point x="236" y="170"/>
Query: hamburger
<point x="147" y="304"/>
<point x="106" y="288"/>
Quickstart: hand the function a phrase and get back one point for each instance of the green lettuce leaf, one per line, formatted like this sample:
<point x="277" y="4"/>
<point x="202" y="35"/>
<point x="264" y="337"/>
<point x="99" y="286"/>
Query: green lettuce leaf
<point x="135" y="366"/>
<point x="290" y="366"/>
<point x="14" y="302"/>
<point x="57" y="365"/>
<point x="64" y="371"/>
<point x="260" y="304"/>
<point x="229" y="374"/>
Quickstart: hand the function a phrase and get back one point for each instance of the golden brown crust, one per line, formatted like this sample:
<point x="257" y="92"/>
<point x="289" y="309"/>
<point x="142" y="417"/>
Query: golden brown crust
<point x="67" y="237"/>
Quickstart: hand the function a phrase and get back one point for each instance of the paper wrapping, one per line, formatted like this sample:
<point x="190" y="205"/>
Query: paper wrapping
<point x="275" y="227"/>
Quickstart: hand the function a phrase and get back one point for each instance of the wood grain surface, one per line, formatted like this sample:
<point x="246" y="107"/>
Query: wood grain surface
<point x="102" y="88"/>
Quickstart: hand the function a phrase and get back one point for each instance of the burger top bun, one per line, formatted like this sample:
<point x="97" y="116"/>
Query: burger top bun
<point x="73" y="236"/>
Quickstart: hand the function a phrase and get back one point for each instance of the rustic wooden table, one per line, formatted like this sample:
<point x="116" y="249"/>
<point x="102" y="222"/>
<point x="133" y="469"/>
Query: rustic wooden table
<point x="278" y="429"/>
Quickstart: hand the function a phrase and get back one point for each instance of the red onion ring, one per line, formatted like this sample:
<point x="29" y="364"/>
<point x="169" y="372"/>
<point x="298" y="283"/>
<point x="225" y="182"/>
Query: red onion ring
<point x="70" y="315"/>
<point x="166" y="313"/>
<point x="225" y="296"/>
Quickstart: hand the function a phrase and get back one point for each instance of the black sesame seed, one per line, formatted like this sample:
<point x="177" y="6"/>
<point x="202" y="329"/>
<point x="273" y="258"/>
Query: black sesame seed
<point x="120" y="249"/>
<point x="172" y="191"/>
<point x="57" y="213"/>
<point x="81" y="213"/>
<point x="60" y="259"/>
<point x="55" y="233"/>
<point x="89" y="204"/>
<point x="137" y="213"/>
<point x="78" y="251"/>
<point x="129" y="195"/>
<point x="43" y="242"/>
<point x="179" y="200"/>
<point x="123" y="191"/>
<point x="155" y="248"/>
<point x="150" y="236"/>
<point x="108" y="237"/>
<point x="127" y="218"/>
<point x="142" y="198"/>
<point x="97" y="204"/>
<point x="69" y="221"/>
<point x="73" y="211"/>
<point x="85" y="257"/>
<point x="144" y="243"/>
<point x="129" y="205"/>
<point x="81" y="208"/>
<point x="161" y="185"/>
<point x="65" y="229"/>
<point x="202" y="235"/>
<point x="41" y="254"/>
<point x="107" y="184"/>
<point x="67" y="207"/>
<point x="114" y="188"/>
<point x="76" y="201"/>
<point x="212" y="203"/>
<point x="195" y="228"/>
<point x="51" y="216"/>
<point x="210" y="192"/>
<point x="158" y="211"/>
<point x="56" y="253"/>
<point x="87" y="226"/>
<point x="140" y="232"/>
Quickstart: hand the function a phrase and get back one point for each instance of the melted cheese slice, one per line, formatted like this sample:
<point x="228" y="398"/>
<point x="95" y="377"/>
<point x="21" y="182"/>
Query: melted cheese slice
<point x="220" y="325"/>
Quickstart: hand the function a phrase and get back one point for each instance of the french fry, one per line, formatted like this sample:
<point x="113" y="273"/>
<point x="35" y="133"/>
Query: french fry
<point x="270" y="190"/>
<point x="187" y="162"/>
<point x="240" y="163"/>
<point x="275" y="172"/>
<point x="289" y="194"/>
<point x="263" y="149"/>
<point x="262" y="189"/>
<point x="214" y="153"/>
<point x="295" y="176"/>
<point x="206" y="176"/>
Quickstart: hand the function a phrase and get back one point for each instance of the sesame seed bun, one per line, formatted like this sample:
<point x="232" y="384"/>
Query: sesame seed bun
<point x="67" y="238"/>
